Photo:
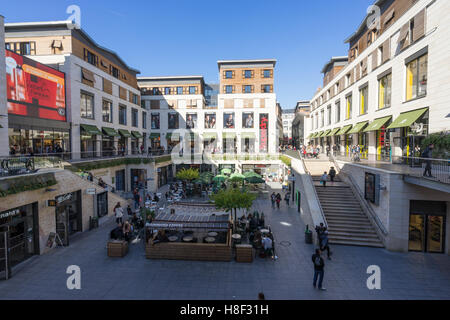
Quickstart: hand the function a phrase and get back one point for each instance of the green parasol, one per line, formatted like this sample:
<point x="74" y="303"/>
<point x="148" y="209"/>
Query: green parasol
<point x="225" y="171"/>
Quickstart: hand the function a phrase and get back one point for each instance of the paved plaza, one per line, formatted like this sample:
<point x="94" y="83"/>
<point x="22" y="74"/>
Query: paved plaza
<point x="403" y="275"/>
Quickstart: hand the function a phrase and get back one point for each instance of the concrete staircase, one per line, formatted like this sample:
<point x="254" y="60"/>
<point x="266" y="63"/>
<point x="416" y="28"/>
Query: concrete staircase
<point x="347" y="223"/>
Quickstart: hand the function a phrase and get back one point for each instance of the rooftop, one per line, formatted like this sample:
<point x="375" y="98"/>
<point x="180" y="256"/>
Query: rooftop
<point x="334" y="60"/>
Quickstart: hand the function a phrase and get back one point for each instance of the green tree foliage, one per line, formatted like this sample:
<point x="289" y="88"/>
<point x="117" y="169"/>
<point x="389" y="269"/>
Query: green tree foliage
<point x="231" y="200"/>
<point x="441" y="141"/>
<point x="187" y="174"/>
<point x="286" y="160"/>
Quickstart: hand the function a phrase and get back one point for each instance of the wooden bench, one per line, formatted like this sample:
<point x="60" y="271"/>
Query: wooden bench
<point x="244" y="253"/>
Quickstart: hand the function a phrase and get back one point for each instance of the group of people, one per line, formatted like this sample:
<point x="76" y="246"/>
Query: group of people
<point x="318" y="261"/>
<point x="324" y="177"/>
<point x="276" y="199"/>
<point x="125" y="230"/>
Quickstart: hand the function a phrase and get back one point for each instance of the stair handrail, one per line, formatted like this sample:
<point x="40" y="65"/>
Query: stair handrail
<point x="315" y="191"/>
<point x="358" y="193"/>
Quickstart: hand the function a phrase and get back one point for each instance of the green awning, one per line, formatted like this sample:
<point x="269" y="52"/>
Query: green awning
<point x="315" y="135"/>
<point x="344" y="130"/>
<point x="173" y="136"/>
<point x="110" y="132"/>
<point x="125" y="133"/>
<point x="229" y="135"/>
<point x="154" y="135"/>
<point x="210" y="135"/>
<point x="249" y="135"/>
<point x="319" y="135"/>
<point x="407" y="118"/>
<point x="358" y="127"/>
<point x="309" y="136"/>
<point x="89" y="129"/>
<point x="136" y="134"/>
<point x="325" y="133"/>
<point x="333" y="132"/>
<point x="377" y="124"/>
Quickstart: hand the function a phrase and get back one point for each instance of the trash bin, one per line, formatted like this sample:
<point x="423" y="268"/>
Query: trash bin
<point x="308" y="237"/>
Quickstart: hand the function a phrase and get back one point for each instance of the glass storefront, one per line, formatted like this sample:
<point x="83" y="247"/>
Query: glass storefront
<point x="363" y="142"/>
<point x="383" y="144"/>
<point x="88" y="146"/>
<point x="21" y="224"/>
<point x="138" y="178"/>
<point x="102" y="204"/>
<point x="122" y="146"/>
<point x="108" y="148"/>
<point x="348" y="144"/>
<point x="68" y="215"/>
<point x="427" y="225"/>
<point x="22" y="141"/>
<point x="248" y="145"/>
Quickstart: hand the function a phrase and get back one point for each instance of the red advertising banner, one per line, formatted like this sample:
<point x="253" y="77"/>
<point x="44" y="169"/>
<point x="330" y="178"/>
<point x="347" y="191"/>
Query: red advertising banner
<point x="33" y="89"/>
<point x="263" y="132"/>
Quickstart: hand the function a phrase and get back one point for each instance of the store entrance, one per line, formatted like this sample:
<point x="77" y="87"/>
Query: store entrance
<point x="427" y="230"/>
<point x="68" y="215"/>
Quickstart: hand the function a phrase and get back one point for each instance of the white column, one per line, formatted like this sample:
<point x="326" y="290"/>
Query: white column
<point x="372" y="145"/>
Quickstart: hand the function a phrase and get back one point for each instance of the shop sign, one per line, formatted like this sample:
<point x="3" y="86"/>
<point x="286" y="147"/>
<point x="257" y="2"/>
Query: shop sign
<point x="90" y="191"/>
<point x="9" y="213"/>
<point x="51" y="203"/>
<point x="63" y="198"/>
<point x="263" y="129"/>
<point x="166" y="225"/>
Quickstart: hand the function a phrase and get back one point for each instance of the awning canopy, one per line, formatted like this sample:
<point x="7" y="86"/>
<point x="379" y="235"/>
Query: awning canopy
<point x="110" y="132"/>
<point x="125" y="133"/>
<point x="358" y="127"/>
<point x="90" y="129"/>
<point x="319" y="135"/>
<point x="177" y="222"/>
<point x="333" y="132"/>
<point x="154" y="135"/>
<point x="250" y="135"/>
<point x="229" y="135"/>
<point x="344" y="130"/>
<point x="325" y="133"/>
<point x="309" y="136"/>
<point x="136" y="134"/>
<point x="210" y="135"/>
<point x="173" y="136"/>
<point x="377" y="124"/>
<point x="407" y="118"/>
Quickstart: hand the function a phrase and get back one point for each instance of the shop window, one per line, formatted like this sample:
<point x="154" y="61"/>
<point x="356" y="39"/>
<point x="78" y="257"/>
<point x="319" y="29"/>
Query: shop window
<point x="348" y="102"/>
<point x="363" y="100"/>
<point x="123" y="115"/>
<point x="416" y="78"/>
<point x="384" y="91"/>
<point x="87" y="105"/>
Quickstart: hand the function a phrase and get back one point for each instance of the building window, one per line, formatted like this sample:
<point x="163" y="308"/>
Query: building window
<point x="329" y="115"/>
<point x="114" y="72"/>
<point x="363" y="100"/>
<point x="22" y="48"/>
<point x="338" y="111"/>
<point x="87" y="105"/>
<point x="144" y="120"/>
<point x="123" y="115"/>
<point x="167" y="90"/>
<point x="347" y="79"/>
<point x="179" y="90"/>
<point x="248" y="74"/>
<point x="90" y="57"/>
<point x="135" y="98"/>
<point x="384" y="91"/>
<point x="228" y="89"/>
<point x="107" y="111"/>
<point x="266" y="88"/>
<point x="192" y="90"/>
<point x="228" y="74"/>
<point x="156" y="91"/>
<point x="322" y="118"/>
<point x="191" y="121"/>
<point x="248" y="89"/>
<point x="134" y="117"/>
<point x="173" y="121"/>
<point x="348" y="102"/>
<point x="416" y="78"/>
<point x="267" y="74"/>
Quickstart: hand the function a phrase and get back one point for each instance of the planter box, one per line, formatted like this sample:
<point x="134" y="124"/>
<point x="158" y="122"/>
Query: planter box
<point x="244" y="253"/>
<point x="117" y="248"/>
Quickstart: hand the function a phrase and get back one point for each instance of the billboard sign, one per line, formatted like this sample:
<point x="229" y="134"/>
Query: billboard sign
<point x="263" y="132"/>
<point x="33" y="89"/>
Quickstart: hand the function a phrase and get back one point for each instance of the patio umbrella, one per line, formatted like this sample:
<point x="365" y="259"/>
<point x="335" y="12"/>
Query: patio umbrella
<point x="225" y="171"/>
<point x="237" y="177"/>
<point x="220" y="178"/>
<point x="255" y="180"/>
<point x="250" y="174"/>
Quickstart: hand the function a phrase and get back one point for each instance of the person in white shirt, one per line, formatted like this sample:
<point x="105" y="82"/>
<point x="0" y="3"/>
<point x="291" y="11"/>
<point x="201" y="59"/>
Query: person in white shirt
<point x="267" y="245"/>
<point x="118" y="212"/>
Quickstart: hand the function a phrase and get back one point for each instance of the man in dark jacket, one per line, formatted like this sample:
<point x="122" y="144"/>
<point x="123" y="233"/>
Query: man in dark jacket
<point x="428" y="153"/>
<point x="332" y="174"/>
<point x="319" y="265"/>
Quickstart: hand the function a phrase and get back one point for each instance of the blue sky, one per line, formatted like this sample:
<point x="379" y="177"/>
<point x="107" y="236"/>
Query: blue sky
<point x="187" y="37"/>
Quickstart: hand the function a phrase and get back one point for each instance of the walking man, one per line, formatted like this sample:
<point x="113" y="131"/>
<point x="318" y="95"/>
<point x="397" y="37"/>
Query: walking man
<point x="324" y="179"/>
<point x="324" y="243"/>
<point x="278" y="200"/>
<point x="287" y="198"/>
<point x="332" y="174"/>
<point x="428" y="153"/>
<point x="319" y="265"/>
<point x="272" y="199"/>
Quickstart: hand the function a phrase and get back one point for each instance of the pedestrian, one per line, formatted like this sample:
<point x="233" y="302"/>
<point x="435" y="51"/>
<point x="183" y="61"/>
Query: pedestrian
<point x="118" y="212"/>
<point x="287" y="198"/>
<point x="129" y="211"/>
<point x="332" y="174"/>
<point x="278" y="200"/>
<point x="323" y="179"/>
<point x="137" y="197"/>
<point x="428" y="154"/>
<point x="319" y="266"/>
<point x="273" y="199"/>
<point x="328" y="150"/>
<point x="324" y="243"/>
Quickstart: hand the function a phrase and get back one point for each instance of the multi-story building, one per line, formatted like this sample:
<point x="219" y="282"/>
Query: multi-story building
<point x="103" y="110"/>
<point x="287" y="118"/>
<point x="301" y="112"/>
<point x="388" y="98"/>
